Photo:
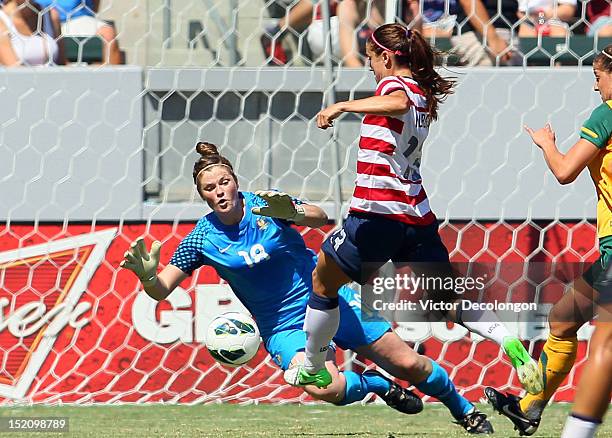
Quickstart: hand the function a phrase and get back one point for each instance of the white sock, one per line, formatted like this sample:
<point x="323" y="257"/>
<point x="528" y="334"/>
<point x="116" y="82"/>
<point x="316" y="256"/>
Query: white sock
<point x="320" y="326"/>
<point x="579" y="428"/>
<point x="486" y="323"/>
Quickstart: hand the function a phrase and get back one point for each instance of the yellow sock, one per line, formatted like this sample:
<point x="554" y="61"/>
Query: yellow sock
<point x="556" y="361"/>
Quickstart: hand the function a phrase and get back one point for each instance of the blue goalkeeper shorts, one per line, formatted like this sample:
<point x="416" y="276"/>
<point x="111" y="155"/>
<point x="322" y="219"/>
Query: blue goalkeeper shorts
<point x="352" y="332"/>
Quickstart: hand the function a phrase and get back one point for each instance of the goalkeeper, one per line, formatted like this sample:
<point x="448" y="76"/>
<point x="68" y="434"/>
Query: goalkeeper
<point x="592" y="150"/>
<point x="248" y="239"/>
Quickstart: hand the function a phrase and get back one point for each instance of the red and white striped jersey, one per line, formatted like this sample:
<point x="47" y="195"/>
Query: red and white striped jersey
<point x="388" y="178"/>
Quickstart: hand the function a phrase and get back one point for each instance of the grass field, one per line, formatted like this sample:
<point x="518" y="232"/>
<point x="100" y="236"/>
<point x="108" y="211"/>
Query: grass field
<point x="271" y="421"/>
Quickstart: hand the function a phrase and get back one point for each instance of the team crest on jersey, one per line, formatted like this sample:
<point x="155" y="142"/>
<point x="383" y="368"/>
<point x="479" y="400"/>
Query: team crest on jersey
<point x="262" y="223"/>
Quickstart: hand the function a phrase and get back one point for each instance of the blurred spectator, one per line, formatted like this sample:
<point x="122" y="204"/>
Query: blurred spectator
<point x="316" y="34"/>
<point x="22" y="42"/>
<point x="357" y="19"/>
<point x="545" y="17"/>
<point x="79" y="19"/>
<point x="294" y="16"/>
<point x="352" y="25"/>
<point x="599" y="16"/>
<point x="439" y="18"/>
<point x="478" y="19"/>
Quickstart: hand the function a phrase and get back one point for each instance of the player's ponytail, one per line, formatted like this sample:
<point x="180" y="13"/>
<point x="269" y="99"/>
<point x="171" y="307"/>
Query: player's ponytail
<point x="413" y="51"/>
<point x="422" y="61"/>
<point x="603" y="61"/>
<point x="209" y="156"/>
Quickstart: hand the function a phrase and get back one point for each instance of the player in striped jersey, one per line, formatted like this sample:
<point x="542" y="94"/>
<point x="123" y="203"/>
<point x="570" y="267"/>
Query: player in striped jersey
<point x="390" y="217"/>
<point x="592" y="150"/>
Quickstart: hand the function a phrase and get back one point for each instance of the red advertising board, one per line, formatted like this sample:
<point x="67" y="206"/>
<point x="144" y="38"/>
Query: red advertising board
<point x="75" y="328"/>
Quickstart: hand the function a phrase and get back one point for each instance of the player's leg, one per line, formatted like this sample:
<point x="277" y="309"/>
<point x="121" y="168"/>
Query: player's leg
<point x="556" y="360"/>
<point x="349" y="387"/>
<point x="428" y="257"/>
<point x="374" y="339"/>
<point x="595" y="388"/>
<point x="286" y="349"/>
<point x="559" y="352"/>
<point x="343" y="259"/>
<point x="352" y="333"/>
<point x="322" y="314"/>
<point x="393" y="355"/>
<point x="336" y="391"/>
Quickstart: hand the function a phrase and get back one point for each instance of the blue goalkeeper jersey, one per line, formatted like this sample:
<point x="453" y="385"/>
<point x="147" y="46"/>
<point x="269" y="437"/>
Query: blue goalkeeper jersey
<point x="263" y="259"/>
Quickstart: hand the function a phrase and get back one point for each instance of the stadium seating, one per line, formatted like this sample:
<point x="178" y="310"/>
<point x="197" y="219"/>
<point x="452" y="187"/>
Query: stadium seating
<point x="85" y="50"/>
<point x="551" y="51"/>
<point x="544" y="51"/>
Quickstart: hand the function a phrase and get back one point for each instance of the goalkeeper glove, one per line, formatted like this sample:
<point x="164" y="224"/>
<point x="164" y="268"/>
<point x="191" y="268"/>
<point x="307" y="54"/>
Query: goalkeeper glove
<point x="279" y="206"/>
<point x="142" y="263"/>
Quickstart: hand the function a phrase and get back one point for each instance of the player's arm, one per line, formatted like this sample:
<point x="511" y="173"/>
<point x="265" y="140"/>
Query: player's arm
<point x="144" y="264"/>
<point x="392" y="104"/>
<point x="282" y="206"/>
<point x="167" y="280"/>
<point x="565" y="167"/>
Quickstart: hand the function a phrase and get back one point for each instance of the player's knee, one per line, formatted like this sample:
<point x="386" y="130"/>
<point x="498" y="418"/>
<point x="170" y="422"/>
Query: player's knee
<point x="563" y="329"/>
<point x="323" y="288"/>
<point x="603" y="355"/>
<point x="607" y="349"/>
<point x="332" y="394"/>
<point x="413" y="368"/>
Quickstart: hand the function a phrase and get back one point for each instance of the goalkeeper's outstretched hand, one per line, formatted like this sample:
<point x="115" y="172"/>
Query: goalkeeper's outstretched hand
<point x="141" y="262"/>
<point x="280" y="205"/>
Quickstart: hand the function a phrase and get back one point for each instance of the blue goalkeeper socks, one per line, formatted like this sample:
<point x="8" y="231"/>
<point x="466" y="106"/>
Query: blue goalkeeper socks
<point x="438" y="385"/>
<point x="359" y="385"/>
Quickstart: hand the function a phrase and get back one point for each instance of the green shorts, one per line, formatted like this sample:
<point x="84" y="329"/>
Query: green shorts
<point x="599" y="274"/>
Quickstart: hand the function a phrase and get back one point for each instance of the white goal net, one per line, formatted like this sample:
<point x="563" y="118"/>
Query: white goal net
<point x="94" y="157"/>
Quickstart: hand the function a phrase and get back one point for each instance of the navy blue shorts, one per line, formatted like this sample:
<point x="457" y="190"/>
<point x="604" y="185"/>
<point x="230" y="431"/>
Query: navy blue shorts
<point x="366" y="242"/>
<point x="599" y="274"/>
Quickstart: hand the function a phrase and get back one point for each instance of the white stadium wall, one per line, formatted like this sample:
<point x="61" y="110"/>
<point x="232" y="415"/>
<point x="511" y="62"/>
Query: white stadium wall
<point x="94" y="158"/>
<point x="75" y="140"/>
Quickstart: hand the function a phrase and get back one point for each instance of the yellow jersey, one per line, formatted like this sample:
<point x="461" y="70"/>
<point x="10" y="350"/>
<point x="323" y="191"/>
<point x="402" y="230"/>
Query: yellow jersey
<point x="598" y="130"/>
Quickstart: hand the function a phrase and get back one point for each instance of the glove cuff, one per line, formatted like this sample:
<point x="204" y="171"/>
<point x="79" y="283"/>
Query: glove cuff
<point x="300" y="214"/>
<point x="149" y="282"/>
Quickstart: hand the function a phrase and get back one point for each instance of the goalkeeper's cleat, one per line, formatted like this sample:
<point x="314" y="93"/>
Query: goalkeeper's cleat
<point x="476" y="423"/>
<point x="298" y="376"/>
<point x="527" y="369"/>
<point x="508" y="406"/>
<point x="400" y="398"/>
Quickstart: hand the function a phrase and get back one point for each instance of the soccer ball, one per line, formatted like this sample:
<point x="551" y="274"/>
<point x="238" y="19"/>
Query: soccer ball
<point x="232" y="339"/>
